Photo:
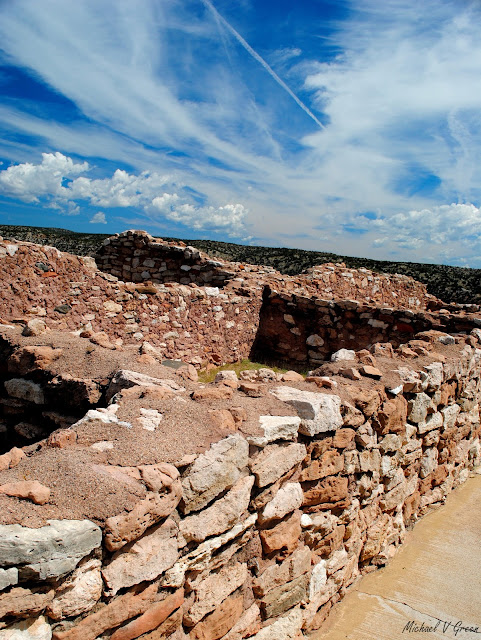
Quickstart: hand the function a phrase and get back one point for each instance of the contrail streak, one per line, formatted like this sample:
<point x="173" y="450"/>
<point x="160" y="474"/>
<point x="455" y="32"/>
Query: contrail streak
<point x="261" y="61"/>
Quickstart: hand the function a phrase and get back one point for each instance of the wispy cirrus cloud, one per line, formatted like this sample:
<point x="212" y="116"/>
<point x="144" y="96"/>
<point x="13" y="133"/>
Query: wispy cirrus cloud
<point x="186" y="90"/>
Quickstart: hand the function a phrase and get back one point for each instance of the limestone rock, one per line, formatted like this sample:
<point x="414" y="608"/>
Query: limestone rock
<point x="418" y="407"/>
<point x="214" y="589"/>
<point x="287" y="499"/>
<point x="319" y="412"/>
<point x="278" y="574"/>
<point x="35" y="327"/>
<point x="284" y="597"/>
<point x="145" y="559"/>
<point x="48" y="552"/>
<point x="343" y="354"/>
<point x="79" y="593"/>
<point x="8" y="577"/>
<point x="318" y="579"/>
<point x="274" y="461"/>
<point x="276" y="428"/>
<point x="200" y="558"/>
<point x="11" y="458"/>
<point x="220" y="515"/>
<point x="246" y="626"/>
<point x="124" y="379"/>
<point x="214" y="471"/>
<point x="330" y="463"/>
<point x="27" y="489"/>
<point x="285" y="628"/>
<point x="30" y="629"/>
<point x="25" y="390"/>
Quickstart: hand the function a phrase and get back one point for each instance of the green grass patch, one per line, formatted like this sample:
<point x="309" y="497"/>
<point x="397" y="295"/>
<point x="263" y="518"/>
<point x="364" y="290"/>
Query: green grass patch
<point x="243" y="365"/>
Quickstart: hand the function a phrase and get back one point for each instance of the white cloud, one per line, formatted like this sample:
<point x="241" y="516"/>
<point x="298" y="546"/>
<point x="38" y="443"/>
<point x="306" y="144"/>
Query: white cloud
<point x="98" y="218"/>
<point x="56" y="183"/>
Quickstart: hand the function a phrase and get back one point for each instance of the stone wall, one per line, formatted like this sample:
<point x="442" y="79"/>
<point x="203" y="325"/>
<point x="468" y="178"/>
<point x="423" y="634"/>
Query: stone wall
<point x="135" y="256"/>
<point x="307" y="330"/>
<point x="256" y="535"/>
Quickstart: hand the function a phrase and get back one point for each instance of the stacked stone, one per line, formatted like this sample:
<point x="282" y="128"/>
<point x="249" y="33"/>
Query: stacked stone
<point x="306" y="329"/>
<point x="334" y="281"/>
<point x="135" y="256"/>
<point x="259" y="535"/>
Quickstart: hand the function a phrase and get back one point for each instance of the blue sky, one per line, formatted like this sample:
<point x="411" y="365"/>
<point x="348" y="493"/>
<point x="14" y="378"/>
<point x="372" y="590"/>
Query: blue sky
<point x="345" y="126"/>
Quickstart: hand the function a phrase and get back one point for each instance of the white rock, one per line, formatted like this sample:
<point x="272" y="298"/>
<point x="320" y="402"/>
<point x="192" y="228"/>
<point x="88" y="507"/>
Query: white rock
<point x="124" y="379"/>
<point x="8" y="577"/>
<point x="47" y="552"/>
<point x="318" y="579"/>
<point x="214" y="471"/>
<point x="212" y="291"/>
<point x="429" y="462"/>
<point x="343" y="354"/>
<point x="450" y="415"/>
<point x="433" y="421"/>
<point x="79" y="593"/>
<point x="276" y="428"/>
<point x="276" y="460"/>
<point x="319" y="412"/>
<point x="145" y="559"/>
<point x="150" y="419"/>
<point x="432" y="376"/>
<point x="285" y="628"/>
<point x="226" y="375"/>
<point x="418" y="407"/>
<point x="30" y="629"/>
<point x="287" y="499"/>
<point x="221" y="515"/>
<point x="111" y="306"/>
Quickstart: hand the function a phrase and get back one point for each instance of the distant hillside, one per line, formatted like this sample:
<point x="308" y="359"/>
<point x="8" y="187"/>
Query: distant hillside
<point x="451" y="284"/>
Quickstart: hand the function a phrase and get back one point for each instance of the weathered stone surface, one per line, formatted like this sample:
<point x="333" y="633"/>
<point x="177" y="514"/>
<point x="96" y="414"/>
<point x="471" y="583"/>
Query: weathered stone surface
<point x="25" y="390"/>
<point x="371" y="372"/>
<point x="343" y="438"/>
<point x="285" y="628"/>
<point x="145" y="559"/>
<point x="79" y="593"/>
<point x="24" y="602"/>
<point x="330" y="463"/>
<point x="221" y="621"/>
<point x="221" y="515"/>
<point x="124" y="528"/>
<point x="276" y="428"/>
<point x="171" y="628"/>
<point x="318" y="579"/>
<point x="319" y="412"/>
<point x="35" y="327"/>
<point x="126" y="606"/>
<point x="390" y="443"/>
<point x="246" y="626"/>
<point x="284" y="597"/>
<point x="200" y="558"/>
<point x="210" y="592"/>
<point x="418" y="407"/>
<point x="27" y="489"/>
<point x="31" y="358"/>
<point x="287" y="499"/>
<point x="11" y="458"/>
<point x="343" y="354"/>
<point x="370" y="460"/>
<point x="376" y="534"/>
<point x="433" y="421"/>
<point x="125" y="379"/>
<point x="432" y="376"/>
<point x="214" y="471"/>
<point x="278" y="574"/>
<point x="30" y="629"/>
<point x="8" y="577"/>
<point x="48" y="552"/>
<point x="150" y="619"/>
<point x="274" y="461"/>
<point x="392" y="415"/>
<point x="285" y="535"/>
<point x="331" y="490"/>
<point x="450" y="415"/>
<point x="429" y="462"/>
<point x="221" y="392"/>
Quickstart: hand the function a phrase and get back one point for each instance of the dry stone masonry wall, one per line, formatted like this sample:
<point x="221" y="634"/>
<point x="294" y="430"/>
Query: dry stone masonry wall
<point x="307" y="485"/>
<point x="136" y="502"/>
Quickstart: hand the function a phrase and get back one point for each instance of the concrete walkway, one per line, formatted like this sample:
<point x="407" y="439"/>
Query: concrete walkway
<point x="433" y="581"/>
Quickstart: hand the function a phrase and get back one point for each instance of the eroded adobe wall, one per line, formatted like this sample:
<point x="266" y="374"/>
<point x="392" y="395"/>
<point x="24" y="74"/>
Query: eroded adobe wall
<point x="257" y="533"/>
